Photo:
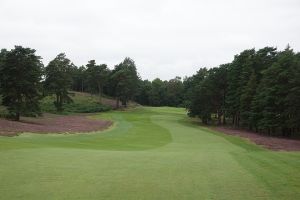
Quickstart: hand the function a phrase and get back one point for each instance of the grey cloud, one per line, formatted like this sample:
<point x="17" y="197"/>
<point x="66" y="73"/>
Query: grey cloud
<point x="166" y="38"/>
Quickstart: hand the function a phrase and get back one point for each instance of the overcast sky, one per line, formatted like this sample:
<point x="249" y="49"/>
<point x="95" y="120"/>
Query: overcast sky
<point x="166" y="38"/>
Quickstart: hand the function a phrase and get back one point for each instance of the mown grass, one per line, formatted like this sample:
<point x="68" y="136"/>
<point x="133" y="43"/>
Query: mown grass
<point x="149" y="153"/>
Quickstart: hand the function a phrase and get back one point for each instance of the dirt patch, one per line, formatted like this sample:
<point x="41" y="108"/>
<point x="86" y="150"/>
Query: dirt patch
<point x="273" y="143"/>
<point x="52" y="124"/>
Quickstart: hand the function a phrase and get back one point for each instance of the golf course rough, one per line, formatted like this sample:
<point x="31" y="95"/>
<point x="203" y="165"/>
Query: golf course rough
<point x="149" y="153"/>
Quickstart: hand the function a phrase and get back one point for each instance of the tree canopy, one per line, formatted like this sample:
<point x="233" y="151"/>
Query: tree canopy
<point x="20" y="78"/>
<point x="58" y="80"/>
<point x="259" y="90"/>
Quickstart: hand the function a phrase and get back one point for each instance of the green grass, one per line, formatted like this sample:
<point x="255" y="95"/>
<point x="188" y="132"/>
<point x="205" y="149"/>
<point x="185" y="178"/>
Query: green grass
<point x="149" y="153"/>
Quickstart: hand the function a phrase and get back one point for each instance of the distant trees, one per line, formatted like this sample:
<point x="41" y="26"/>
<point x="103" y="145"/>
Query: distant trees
<point x="143" y="92"/>
<point x="259" y="90"/>
<point x="161" y="93"/>
<point x="20" y="81"/>
<point x="157" y="93"/>
<point x="58" y="80"/>
<point x="174" y="92"/>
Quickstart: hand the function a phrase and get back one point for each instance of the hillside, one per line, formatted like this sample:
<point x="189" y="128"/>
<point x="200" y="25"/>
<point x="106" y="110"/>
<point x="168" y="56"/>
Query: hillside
<point x="82" y="103"/>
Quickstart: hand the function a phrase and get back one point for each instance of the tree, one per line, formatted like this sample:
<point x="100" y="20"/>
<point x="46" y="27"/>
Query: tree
<point x="20" y="78"/>
<point x="200" y="97"/>
<point x="58" y="80"/>
<point x="238" y="76"/>
<point x="246" y="100"/>
<point x="97" y="76"/>
<point x="143" y="92"/>
<point x="79" y="82"/>
<point x="125" y="81"/>
<point x="3" y="53"/>
<point x="277" y="97"/>
<point x="157" y="94"/>
<point x="161" y="93"/>
<point x="174" y="92"/>
<point x="217" y="84"/>
<point x="293" y="97"/>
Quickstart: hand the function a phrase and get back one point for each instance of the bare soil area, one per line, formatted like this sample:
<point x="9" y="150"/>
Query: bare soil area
<point x="52" y="124"/>
<point x="273" y="143"/>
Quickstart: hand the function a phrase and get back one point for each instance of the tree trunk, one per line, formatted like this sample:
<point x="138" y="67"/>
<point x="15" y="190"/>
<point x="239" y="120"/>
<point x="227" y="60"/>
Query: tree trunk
<point x="99" y="92"/>
<point x="224" y="119"/>
<point x="118" y="102"/>
<point x="82" y="86"/>
<point x="58" y="102"/>
<point x="219" y="119"/>
<point x="17" y="117"/>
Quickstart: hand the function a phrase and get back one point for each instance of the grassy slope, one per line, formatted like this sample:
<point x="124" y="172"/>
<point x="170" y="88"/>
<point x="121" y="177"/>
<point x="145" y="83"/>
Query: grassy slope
<point x="150" y="153"/>
<point x="82" y="103"/>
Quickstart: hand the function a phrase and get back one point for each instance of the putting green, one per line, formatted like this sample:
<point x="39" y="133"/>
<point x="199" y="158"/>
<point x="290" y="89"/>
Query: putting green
<point x="149" y="153"/>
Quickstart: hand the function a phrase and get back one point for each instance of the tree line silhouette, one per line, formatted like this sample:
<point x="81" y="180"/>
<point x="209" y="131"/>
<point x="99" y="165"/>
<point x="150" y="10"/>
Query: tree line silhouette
<point x="259" y="90"/>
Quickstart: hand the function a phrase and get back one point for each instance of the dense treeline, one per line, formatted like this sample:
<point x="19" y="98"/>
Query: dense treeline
<point x="24" y="81"/>
<point x="161" y="93"/>
<point x="259" y="90"/>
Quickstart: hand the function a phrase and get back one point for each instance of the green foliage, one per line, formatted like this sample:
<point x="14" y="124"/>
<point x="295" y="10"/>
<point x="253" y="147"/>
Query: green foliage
<point x="258" y="90"/>
<point x="157" y="94"/>
<point x="79" y="79"/>
<point x="207" y="93"/>
<point x="20" y="81"/>
<point x="161" y="93"/>
<point x="96" y="77"/>
<point x="58" y="80"/>
<point x="277" y="94"/>
<point x="3" y="110"/>
<point x="143" y="92"/>
<point x="124" y="79"/>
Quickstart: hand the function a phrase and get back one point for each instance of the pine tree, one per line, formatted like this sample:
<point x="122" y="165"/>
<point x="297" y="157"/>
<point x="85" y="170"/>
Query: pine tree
<point x="58" y="80"/>
<point x="97" y="76"/>
<point x="20" y="78"/>
<point x="125" y="81"/>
